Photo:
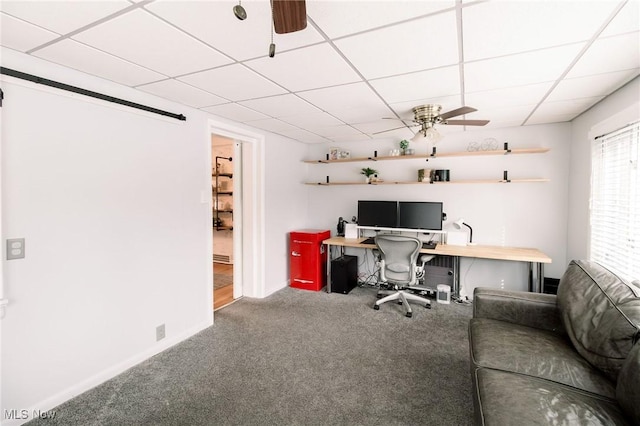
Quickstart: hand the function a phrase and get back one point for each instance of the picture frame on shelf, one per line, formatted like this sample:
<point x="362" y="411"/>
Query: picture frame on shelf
<point x="334" y="153"/>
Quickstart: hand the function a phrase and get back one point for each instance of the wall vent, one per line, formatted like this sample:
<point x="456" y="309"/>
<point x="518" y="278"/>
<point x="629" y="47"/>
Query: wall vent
<point x="222" y="258"/>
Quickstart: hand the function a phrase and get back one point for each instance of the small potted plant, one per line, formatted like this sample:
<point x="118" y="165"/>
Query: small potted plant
<point x="404" y="146"/>
<point x="368" y="172"/>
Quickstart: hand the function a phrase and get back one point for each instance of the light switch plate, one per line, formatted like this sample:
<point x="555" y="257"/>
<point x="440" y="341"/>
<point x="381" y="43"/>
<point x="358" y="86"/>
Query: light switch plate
<point x="15" y="248"/>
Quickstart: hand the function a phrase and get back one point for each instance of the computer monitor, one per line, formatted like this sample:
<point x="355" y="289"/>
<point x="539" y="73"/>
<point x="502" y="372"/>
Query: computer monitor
<point x="383" y="214"/>
<point x="420" y="215"/>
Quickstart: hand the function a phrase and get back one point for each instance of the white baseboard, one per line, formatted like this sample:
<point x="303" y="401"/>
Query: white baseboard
<point x="48" y="404"/>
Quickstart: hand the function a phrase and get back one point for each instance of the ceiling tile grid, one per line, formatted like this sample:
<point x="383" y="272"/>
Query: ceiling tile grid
<point x="357" y="64"/>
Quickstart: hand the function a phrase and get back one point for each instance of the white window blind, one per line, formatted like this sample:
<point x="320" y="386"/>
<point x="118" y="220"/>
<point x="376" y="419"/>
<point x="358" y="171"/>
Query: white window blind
<point x="615" y="201"/>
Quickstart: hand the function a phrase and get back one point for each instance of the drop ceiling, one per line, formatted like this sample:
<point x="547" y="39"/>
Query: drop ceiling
<point x="518" y="62"/>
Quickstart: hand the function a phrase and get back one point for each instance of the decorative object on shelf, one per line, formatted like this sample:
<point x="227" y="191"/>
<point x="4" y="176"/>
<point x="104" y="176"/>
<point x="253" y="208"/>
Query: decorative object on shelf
<point x="425" y="174"/>
<point x="344" y="155"/>
<point x="441" y="176"/>
<point x="458" y="224"/>
<point x="368" y="172"/>
<point x="404" y="144"/>
<point x="334" y="153"/>
<point x="487" y="144"/>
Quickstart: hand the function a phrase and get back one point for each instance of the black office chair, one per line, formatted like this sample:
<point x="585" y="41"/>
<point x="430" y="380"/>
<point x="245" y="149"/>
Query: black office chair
<point x="398" y="255"/>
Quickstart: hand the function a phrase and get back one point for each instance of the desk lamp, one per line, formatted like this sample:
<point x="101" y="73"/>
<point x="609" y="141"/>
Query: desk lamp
<point x="458" y="225"/>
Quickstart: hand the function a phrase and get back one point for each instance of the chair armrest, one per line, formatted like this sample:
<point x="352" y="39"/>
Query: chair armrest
<point x="519" y="307"/>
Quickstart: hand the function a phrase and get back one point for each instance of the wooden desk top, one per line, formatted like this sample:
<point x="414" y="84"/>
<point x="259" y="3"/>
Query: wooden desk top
<point x="478" y="251"/>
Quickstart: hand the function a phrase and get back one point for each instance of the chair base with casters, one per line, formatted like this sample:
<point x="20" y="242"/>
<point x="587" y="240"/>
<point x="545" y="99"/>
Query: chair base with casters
<point x="398" y="268"/>
<point x="403" y="297"/>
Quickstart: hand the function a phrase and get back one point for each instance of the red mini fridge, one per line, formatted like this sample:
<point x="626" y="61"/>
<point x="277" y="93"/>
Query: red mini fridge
<point x="308" y="258"/>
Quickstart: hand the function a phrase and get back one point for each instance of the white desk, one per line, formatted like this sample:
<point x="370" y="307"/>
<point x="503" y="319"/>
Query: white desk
<point x="534" y="257"/>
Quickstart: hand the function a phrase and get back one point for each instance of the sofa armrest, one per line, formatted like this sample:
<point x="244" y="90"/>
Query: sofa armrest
<point x="519" y="307"/>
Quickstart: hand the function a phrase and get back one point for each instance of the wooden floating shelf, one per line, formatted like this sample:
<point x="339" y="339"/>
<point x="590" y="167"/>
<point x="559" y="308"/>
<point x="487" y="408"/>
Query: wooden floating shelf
<point x="431" y="183"/>
<point x="437" y="155"/>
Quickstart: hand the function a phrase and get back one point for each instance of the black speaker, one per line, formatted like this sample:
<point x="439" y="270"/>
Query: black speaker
<point x="344" y="274"/>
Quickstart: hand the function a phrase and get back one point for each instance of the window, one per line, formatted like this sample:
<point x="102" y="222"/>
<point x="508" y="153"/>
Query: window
<point x="615" y="201"/>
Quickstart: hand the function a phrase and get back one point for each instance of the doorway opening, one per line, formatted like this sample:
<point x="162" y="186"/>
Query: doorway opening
<point x="224" y="181"/>
<point x="247" y="254"/>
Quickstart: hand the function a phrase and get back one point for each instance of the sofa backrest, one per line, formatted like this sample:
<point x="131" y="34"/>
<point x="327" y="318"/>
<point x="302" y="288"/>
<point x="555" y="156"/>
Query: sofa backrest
<point x="600" y="313"/>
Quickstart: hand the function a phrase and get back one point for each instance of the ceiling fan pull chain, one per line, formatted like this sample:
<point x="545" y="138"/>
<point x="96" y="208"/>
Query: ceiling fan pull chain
<point x="272" y="46"/>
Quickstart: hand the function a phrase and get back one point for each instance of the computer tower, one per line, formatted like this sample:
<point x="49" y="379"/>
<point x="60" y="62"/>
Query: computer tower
<point x="344" y="274"/>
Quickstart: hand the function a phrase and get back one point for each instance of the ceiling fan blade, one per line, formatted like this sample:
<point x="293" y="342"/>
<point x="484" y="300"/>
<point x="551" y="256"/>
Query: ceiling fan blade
<point x="466" y="122"/>
<point x="409" y="120"/>
<point x="459" y="111"/>
<point x="289" y="15"/>
<point x="388" y="130"/>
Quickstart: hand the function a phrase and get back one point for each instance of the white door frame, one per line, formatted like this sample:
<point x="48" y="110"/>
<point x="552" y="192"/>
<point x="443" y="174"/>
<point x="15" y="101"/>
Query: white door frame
<point x="253" y="218"/>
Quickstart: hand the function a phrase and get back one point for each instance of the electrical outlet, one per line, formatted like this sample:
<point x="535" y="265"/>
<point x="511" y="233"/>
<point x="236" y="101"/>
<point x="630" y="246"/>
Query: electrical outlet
<point x="160" y="332"/>
<point x="15" y="248"/>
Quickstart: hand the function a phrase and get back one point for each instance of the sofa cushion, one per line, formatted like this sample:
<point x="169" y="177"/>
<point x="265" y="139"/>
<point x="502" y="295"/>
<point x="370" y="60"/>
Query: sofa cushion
<point x="504" y="398"/>
<point x="600" y="313"/>
<point x="511" y="347"/>
<point x="628" y="389"/>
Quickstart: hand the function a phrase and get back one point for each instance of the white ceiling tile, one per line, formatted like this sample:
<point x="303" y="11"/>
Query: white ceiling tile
<point x="235" y="112"/>
<point x="350" y="138"/>
<point x="377" y="53"/>
<point x="505" y="114"/>
<point x="308" y="68"/>
<point x="528" y="26"/>
<point x="234" y="82"/>
<point x="92" y="61"/>
<point x="356" y="95"/>
<point x="312" y="122"/>
<point x="508" y="97"/>
<point x="214" y="23"/>
<point x="360" y="115"/>
<point x="155" y="45"/>
<point x="19" y="35"/>
<point x="303" y="136"/>
<point x="609" y="54"/>
<point x="390" y="128"/>
<point x="568" y="108"/>
<point x="591" y="86"/>
<point x="339" y="18"/>
<point x="521" y="69"/>
<point x="63" y="17"/>
<point x="419" y="85"/>
<point x="281" y="105"/>
<point x="627" y="20"/>
<point x="550" y="118"/>
<point x="181" y="92"/>
<point x="338" y="131"/>
<point x="272" y="125"/>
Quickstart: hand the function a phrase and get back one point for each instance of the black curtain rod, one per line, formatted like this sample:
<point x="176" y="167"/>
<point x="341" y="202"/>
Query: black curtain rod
<point x="74" y="89"/>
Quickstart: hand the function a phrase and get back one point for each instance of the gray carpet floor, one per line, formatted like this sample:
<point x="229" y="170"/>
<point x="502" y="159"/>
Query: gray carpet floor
<point x="298" y="358"/>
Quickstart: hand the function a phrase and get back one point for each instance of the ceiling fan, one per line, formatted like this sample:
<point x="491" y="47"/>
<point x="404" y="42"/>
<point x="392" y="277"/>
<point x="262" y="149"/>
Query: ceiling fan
<point x="427" y="116"/>
<point x="289" y="15"/>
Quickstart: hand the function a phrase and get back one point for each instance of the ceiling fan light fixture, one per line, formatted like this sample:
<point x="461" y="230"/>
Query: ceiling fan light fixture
<point x="427" y="133"/>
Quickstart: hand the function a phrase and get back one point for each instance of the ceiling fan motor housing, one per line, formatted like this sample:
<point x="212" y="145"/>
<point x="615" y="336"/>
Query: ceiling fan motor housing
<point x="427" y="114"/>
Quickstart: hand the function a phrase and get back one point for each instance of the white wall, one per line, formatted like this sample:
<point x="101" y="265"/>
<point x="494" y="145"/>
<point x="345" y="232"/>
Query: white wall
<point x="517" y="214"/>
<point x="616" y="110"/>
<point x="118" y="239"/>
<point x="108" y="199"/>
<point x="286" y="206"/>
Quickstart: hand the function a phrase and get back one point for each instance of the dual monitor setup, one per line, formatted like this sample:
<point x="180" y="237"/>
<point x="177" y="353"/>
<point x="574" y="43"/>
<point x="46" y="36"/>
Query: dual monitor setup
<point x="410" y="215"/>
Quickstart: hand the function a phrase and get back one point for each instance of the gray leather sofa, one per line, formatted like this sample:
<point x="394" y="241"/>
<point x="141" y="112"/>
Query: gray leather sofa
<point x="570" y="359"/>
